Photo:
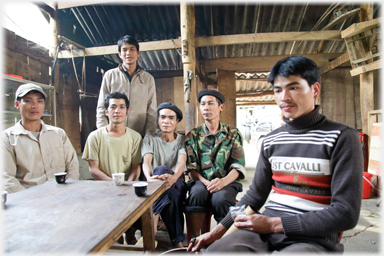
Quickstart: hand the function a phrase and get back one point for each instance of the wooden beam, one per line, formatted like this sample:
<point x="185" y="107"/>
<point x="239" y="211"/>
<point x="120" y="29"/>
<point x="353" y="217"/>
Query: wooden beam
<point x="248" y="103"/>
<point x="366" y="78"/>
<point x="113" y="49"/>
<point x="261" y="63"/>
<point x="187" y="27"/>
<point x="252" y="79"/>
<point x="253" y="94"/>
<point x="358" y="28"/>
<point x="335" y="63"/>
<point x="72" y="4"/>
<point x="268" y="38"/>
<point x="46" y="8"/>
<point x="366" y="68"/>
<point x="214" y="40"/>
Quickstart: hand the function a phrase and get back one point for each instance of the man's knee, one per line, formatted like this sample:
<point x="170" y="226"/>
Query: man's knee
<point x="162" y="169"/>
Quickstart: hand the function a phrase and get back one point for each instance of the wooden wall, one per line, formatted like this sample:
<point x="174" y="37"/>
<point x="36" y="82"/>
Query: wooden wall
<point x="32" y="62"/>
<point x="340" y="97"/>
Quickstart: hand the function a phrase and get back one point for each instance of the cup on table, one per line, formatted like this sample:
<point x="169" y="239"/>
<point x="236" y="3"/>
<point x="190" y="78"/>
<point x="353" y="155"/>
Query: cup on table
<point x="118" y="178"/>
<point x="60" y="177"/>
<point x="140" y="188"/>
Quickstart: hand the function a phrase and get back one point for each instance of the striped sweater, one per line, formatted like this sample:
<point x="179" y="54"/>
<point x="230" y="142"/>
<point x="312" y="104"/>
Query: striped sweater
<point x="314" y="167"/>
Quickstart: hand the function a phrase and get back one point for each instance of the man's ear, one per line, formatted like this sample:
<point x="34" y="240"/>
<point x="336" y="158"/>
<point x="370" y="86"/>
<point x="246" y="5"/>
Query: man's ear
<point x="316" y="87"/>
<point x="222" y="107"/>
<point x="17" y="104"/>
<point x="106" y="111"/>
<point x="127" y="111"/>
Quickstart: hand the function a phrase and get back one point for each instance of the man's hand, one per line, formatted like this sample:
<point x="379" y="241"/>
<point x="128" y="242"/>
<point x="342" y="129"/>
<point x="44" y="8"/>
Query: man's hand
<point x="259" y="223"/>
<point x="216" y="185"/>
<point x="153" y="178"/>
<point x="206" y="239"/>
<point x="169" y="179"/>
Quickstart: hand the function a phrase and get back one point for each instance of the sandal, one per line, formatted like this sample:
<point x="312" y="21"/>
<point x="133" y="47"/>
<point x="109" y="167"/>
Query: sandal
<point x="161" y="226"/>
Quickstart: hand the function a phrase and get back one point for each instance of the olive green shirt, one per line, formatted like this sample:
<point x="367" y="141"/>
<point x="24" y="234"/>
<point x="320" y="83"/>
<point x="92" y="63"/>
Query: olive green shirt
<point x="215" y="155"/>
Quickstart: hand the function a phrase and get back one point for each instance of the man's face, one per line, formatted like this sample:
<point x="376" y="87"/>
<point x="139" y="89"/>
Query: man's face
<point x="210" y="108"/>
<point x="129" y="54"/>
<point x="294" y="96"/>
<point x="167" y="120"/>
<point x="117" y="111"/>
<point x="31" y="106"/>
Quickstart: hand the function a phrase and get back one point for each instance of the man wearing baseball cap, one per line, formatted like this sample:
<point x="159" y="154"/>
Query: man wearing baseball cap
<point x="215" y="163"/>
<point x="164" y="158"/>
<point x="33" y="151"/>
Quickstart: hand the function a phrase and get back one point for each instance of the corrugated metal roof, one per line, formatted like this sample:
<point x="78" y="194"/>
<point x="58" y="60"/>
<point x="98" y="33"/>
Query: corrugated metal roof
<point x="104" y="24"/>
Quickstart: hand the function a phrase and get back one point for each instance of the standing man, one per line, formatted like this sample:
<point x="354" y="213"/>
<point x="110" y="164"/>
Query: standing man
<point x="138" y="85"/>
<point x="33" y="151"/>
<point x="114" y="148"/>
<point x="164" y="158"/>
<point x="215" y="163"/>
<point x="314" y="167"/>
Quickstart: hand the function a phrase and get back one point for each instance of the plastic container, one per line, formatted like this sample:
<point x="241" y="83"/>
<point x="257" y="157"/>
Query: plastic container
<point x="367" y="187"/>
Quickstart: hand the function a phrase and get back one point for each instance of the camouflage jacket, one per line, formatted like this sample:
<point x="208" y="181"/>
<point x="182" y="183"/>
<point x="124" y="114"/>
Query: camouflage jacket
<point x="214" y="156"/>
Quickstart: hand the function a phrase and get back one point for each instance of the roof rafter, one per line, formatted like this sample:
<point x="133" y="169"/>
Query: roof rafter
<point x="215" y="40"/>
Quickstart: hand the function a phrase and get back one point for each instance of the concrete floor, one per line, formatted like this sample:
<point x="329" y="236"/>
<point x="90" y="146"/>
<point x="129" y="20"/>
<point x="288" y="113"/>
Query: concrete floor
<point x="364" y="238"/>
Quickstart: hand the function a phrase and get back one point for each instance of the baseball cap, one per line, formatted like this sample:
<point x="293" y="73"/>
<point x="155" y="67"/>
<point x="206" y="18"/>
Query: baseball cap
<point x="26" y="88"/>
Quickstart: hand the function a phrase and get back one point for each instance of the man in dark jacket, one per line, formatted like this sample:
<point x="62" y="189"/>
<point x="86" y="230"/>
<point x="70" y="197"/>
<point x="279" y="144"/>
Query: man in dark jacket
<point x="314" y="167"/>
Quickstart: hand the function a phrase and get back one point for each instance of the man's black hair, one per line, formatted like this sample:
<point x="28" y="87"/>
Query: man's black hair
<point x="129" y="40"/>
<point x="296" y="65"/>
<point x="116" y="95"/>
<point x="33" y="91"/>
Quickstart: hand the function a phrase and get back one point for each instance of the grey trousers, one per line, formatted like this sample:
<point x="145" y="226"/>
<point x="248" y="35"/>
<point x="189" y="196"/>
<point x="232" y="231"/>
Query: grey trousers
<point x="250" y="242"/>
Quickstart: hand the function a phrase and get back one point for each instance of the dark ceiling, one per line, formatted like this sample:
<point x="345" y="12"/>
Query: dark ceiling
<point x="104" y="24"/>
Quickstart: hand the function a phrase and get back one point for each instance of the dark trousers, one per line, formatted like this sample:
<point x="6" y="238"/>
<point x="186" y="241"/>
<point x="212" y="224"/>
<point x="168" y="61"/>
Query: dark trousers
<point x="251" y="242"/>
<point x="170" y="207"/>
<point x="200" y="200"/>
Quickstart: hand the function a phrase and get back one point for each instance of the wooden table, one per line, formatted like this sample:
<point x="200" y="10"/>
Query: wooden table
<point x="76" y="217"/>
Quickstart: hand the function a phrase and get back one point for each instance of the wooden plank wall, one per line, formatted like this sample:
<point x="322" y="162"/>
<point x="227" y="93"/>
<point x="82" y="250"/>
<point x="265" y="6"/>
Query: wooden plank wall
<point x="25" y="59"/>
<point x="226" y="84"/>
<point x="340" y="97"/>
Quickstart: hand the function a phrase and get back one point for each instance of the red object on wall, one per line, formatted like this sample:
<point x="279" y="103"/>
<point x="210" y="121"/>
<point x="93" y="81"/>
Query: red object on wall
<point x="364" y="145"/>
<point x="16" y="76"/>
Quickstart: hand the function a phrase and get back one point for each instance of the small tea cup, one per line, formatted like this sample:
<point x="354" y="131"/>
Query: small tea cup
<point x="118" y="178"/>
<point x="60" y="177"/>
<point x="140" y="188"/>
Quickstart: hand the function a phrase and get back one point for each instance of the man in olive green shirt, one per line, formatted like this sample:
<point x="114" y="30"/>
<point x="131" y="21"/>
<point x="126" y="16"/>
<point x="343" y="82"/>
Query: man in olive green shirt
<point x="114" y="148"/>
<point x="215" y="163"/>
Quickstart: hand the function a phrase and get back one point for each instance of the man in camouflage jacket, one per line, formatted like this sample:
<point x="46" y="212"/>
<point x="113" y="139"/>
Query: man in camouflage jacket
<point x="215" y="163"/>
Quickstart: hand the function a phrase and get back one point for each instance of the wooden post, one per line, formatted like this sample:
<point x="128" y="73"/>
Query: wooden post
<point x="226" y="84"/>
<point x="187" y="22"/>
<point x="67" y="98"/>
<point x="366" y="79"/>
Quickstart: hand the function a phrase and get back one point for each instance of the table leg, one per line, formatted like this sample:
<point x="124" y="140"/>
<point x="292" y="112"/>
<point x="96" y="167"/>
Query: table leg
<point x="148" y="230"/>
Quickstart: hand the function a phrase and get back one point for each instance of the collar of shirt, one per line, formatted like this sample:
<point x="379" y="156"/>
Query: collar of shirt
<point x="222" y="130"/>
<point x="19" y="129"/>
<point x="138" y="69"/>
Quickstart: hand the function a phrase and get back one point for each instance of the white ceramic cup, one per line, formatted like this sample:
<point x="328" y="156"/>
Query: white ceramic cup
<point x="118" y="178"/>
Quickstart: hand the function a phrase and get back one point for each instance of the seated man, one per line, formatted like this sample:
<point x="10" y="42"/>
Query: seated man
<point x="114" y="148"/>
<point x="215" y="163"/>
<point x="33" y="151"/>
<point x="314" y="167"/>
<point x="165" y="151"/>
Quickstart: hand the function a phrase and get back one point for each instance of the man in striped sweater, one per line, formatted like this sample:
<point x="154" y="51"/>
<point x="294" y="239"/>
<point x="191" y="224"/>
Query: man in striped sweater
<point x="314" y="168"/>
